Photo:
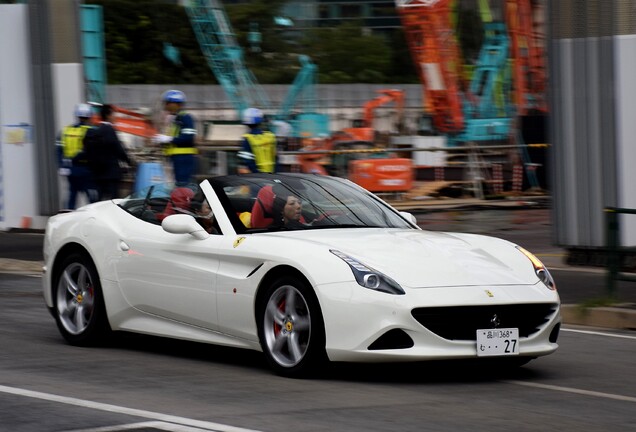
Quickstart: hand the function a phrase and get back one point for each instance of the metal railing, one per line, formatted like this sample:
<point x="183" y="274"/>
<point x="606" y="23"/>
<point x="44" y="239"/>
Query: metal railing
<point x="615" y="251"/>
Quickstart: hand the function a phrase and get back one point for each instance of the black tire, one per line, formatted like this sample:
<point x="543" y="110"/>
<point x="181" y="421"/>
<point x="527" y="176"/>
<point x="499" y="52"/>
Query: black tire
<point x="78" y="302"/>
<point x="291" y="329"/>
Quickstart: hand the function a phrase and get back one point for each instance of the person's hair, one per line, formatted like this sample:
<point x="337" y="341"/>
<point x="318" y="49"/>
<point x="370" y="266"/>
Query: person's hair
<point x="105" y="111"/>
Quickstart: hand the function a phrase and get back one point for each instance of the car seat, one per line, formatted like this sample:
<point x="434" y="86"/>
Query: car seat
<point x="262" y="215"/>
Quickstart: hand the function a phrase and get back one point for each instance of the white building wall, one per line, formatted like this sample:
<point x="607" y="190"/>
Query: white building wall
<point x="17" y="169"/>
<point x="626" y="132"/>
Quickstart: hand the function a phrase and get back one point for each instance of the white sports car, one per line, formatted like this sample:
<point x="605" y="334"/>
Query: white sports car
<point x="305" y="268"/>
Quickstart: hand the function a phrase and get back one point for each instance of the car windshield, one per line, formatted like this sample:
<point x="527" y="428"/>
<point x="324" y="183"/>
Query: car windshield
<point x="279" y="202"/>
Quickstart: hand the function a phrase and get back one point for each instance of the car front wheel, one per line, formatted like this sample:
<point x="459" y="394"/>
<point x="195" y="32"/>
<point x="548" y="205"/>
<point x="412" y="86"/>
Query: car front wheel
<point x="79" y="305"/>
<point x="291" y="329"/>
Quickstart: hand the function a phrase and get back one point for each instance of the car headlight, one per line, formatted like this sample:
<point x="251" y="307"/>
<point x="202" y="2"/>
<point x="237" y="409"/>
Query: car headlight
<point x="541" y="270"/>
<point x="370" y="278"/>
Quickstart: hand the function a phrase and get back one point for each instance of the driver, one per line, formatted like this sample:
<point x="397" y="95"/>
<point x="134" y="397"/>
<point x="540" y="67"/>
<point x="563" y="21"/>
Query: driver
<point x="287" y="209"/>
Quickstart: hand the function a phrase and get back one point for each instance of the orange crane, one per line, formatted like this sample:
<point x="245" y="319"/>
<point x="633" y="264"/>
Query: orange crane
<point x="429" y="34"/>
<point x="363" y="130"/>
<point x="529" y="72"/>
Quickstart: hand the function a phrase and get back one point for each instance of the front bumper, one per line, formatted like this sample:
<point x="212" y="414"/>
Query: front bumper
<point x="357" y="318"/>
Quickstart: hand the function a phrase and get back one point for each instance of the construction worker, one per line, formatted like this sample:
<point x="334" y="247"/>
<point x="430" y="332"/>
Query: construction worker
<point x="179" y="143"/>
<point x="70" y="157"/>
<point x="258" y="149"/>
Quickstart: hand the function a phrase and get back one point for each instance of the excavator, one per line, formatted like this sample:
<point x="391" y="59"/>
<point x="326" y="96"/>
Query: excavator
<point x="375" y="170"/>
<point x="363" y="129"/>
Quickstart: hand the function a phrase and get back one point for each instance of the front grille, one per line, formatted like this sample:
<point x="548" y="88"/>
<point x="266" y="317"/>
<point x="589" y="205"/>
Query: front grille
<point x="462" y="322"/>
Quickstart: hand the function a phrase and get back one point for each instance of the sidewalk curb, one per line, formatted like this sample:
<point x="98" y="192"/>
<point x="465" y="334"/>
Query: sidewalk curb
<point x="617" y="317"/>
<point x="467" y="204"/>
<point x="14" y="266"/>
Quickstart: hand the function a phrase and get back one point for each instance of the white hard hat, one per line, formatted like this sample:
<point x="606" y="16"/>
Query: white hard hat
<point x="252" y="116"/>
<point x="83" y="111"/>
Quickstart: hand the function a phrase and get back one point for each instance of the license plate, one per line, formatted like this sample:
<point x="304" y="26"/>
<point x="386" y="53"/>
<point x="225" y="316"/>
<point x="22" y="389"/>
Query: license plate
<point x="497" y="342"/>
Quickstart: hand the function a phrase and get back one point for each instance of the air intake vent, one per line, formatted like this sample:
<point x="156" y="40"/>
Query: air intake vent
<point x="462" y="322"/>
<point x="393" y="339"/>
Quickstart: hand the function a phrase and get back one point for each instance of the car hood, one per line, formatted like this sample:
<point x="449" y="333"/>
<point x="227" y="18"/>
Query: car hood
<point x="421" y="259"/>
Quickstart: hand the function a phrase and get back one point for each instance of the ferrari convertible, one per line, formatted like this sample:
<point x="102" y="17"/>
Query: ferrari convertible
<point x="305" y="268"/>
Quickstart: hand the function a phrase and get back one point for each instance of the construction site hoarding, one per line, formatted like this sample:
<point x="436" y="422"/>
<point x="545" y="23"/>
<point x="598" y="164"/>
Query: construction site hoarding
<point x="592" y="129"/>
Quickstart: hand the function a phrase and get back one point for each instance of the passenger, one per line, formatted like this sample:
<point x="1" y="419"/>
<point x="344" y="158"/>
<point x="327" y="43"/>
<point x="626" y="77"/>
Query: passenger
<point x="202" y="212"/>
<point x="180" y="201"/>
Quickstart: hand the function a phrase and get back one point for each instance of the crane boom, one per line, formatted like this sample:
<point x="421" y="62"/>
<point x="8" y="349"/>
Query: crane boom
<point x="435" y="52"/>
<point x="224" y="55"/>
<point x="303" y="89"/>
<point x="528" y="58"/>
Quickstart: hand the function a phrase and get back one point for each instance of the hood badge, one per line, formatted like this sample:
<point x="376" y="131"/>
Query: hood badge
<point x="489" y="293"/>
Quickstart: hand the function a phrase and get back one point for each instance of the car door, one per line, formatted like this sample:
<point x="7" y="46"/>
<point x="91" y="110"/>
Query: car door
<point x="169" y="275"/>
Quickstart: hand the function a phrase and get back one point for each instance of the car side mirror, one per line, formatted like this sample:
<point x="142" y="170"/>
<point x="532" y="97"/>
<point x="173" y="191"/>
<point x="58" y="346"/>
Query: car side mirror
<point x="409" y="217"/>
<point x="184" y="224"/>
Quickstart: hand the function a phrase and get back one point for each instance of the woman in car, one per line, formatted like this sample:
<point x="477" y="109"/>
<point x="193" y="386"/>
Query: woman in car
<point x="287" y="209"/>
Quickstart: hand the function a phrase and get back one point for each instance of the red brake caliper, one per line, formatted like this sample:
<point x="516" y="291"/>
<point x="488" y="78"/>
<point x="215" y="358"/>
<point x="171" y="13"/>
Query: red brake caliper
<point x="277" y="327"/>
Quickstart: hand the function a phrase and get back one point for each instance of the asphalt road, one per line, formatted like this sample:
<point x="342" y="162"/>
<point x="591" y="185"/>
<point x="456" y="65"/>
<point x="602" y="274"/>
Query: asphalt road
<point x="144" y="383"/>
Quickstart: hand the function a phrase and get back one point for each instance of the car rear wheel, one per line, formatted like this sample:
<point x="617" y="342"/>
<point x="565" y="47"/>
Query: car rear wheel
<point x="291" y="328"/>
<point x="78" y="302"/>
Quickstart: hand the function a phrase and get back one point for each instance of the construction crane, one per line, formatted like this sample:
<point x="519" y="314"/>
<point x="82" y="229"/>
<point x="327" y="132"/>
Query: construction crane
<point x="483" y="111"/>
<point x="462" y="114"/>
<point x="308" y="123"/>
<point x="487" y="109"/>
<point x="435" y="52"/>
<point x="224" y="55"/>
<point x="529" y="72"/>
<point x="303" y="89"/>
